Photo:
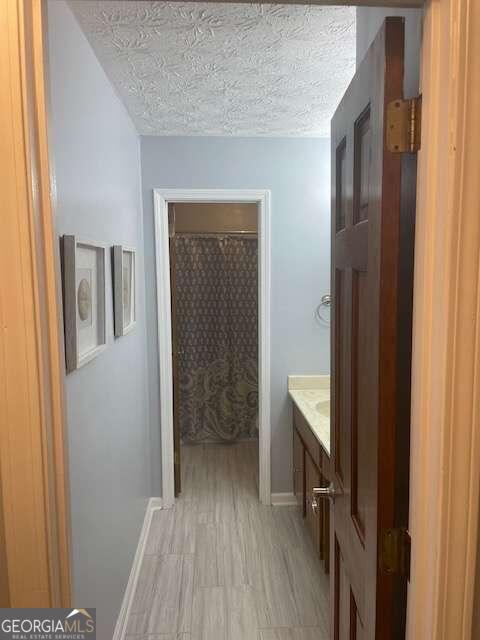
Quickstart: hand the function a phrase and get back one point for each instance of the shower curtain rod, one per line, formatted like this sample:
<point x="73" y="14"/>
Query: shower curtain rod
<point x="216" y="234"/>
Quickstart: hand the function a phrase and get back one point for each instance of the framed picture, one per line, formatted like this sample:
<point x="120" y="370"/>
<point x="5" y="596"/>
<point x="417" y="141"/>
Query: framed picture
<point x="124" y="289"/>
<point x="83" y="283"/>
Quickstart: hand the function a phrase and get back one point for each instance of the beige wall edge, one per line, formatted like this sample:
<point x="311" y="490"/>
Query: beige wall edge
<point x="445" y="447"/>
<point x="32" y="447"/>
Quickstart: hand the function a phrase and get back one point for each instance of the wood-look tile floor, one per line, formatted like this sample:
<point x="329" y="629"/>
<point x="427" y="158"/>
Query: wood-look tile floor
<point x="221" y="566"/>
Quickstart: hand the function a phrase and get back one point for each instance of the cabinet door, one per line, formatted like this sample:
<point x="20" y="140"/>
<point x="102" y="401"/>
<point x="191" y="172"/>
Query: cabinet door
<point x="299" y="470"/>
<point x="313" y="518"/>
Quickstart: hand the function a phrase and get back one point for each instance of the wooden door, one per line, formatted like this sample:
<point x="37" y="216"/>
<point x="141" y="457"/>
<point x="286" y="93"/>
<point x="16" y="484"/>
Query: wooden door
<point x="175" y="355"/>
<point x="372" y="260"/>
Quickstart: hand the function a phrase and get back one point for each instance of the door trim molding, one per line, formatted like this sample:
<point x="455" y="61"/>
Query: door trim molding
<point x="445" y="445"/>
<point x="161" y="198"/>
<point x="33" y="458"/>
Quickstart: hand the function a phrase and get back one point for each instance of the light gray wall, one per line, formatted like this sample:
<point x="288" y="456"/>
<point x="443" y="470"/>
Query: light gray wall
<point x="298" y="173"/>
<point x="96" y="156"/>
<point x="369" y="21"/>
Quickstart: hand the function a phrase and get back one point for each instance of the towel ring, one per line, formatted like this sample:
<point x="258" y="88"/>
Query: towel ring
<point x="325" y="302"/>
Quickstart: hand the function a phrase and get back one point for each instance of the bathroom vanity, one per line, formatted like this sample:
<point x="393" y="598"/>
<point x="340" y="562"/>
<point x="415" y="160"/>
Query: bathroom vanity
<point x="311" y="455"/>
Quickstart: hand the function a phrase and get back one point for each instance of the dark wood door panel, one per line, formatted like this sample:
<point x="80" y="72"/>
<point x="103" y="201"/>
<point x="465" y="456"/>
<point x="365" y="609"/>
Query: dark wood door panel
<point x="339" y="406"/>
<point x="362" y="157"/>
<point x="326" y="534"/>
<point x="359" y="406"/>
<point x="348" y="624"/>
<point x="341" y="184"/>
<point x="351" y="247"/>
<point x="371" y="280"/>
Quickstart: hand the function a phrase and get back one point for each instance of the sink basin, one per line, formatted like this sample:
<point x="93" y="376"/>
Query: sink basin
<point x="323" y="406"/>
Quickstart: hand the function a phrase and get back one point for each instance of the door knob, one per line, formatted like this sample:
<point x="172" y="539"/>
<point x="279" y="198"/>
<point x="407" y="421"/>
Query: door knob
<point x="325" y="492"/>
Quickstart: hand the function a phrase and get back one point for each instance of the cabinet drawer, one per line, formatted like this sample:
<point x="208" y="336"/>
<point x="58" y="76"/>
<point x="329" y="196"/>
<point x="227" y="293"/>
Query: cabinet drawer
<point x="311" y="443"/>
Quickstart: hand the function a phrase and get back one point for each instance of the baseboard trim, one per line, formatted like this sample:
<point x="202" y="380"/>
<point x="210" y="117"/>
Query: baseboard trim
<point x="283" y="499"/>
<point x="155" y="503"/>
<point x="121" y="626"/>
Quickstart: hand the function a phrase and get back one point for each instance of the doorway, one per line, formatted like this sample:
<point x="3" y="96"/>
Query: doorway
<point x="214" y="302"/>
<point x="261" y="200"/>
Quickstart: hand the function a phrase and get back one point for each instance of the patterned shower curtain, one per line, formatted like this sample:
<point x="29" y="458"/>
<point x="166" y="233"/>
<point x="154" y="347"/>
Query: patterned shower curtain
<point x="217" y="337"/>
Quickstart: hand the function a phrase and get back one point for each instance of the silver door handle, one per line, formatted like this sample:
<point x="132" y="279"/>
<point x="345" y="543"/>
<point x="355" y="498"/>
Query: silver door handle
<point x="325" y="492"/>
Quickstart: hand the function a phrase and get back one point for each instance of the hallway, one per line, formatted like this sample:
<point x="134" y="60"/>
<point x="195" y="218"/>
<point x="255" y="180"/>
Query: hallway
<point x="220" y="566"/>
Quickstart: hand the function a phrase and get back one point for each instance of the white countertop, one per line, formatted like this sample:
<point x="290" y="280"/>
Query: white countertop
<point x="311" y="394"/>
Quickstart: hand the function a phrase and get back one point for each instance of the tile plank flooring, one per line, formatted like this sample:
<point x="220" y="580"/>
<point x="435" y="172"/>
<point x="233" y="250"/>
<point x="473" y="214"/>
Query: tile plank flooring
<point x="221" y="566"/>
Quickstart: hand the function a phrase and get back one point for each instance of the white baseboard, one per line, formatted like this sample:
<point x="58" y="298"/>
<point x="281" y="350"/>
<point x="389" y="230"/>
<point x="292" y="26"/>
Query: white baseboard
<point x="283" y="499"/>
<point x="121" y="626"/>
<point x="155" y="503"/>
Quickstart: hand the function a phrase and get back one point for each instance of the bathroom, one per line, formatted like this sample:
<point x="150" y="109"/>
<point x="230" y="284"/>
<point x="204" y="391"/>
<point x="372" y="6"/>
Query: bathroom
<point x="240" y="319"/>
<point x="204" y="428"/>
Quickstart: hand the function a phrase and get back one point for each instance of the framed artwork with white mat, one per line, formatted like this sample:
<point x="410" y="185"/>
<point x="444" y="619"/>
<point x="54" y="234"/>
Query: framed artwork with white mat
<point x="83" y="288"/>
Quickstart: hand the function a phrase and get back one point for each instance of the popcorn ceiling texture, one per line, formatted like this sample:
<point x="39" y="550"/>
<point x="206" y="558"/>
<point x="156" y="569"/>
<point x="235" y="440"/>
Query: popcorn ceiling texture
<point x="224" y="69"/>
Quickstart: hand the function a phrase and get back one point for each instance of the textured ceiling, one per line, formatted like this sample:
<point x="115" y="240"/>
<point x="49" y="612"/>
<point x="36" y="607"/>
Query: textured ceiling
<point x="224" y="69"/>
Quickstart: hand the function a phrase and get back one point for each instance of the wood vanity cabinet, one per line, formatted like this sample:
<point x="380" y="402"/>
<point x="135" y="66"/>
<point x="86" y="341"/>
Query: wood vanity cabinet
<point x="311" y="468"/>
<point x="299" y="470"/>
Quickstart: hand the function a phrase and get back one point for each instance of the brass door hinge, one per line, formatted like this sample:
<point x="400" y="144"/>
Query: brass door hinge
<point x="395" y="552"/>
<point x="404" y="125"/>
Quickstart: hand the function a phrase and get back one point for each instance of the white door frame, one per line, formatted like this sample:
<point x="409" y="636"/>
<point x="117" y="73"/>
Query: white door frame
<point x="162" y="197"/>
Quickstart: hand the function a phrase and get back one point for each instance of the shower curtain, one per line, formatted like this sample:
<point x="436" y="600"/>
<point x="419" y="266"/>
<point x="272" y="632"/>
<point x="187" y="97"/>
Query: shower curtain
<point x="217" y="336"/>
